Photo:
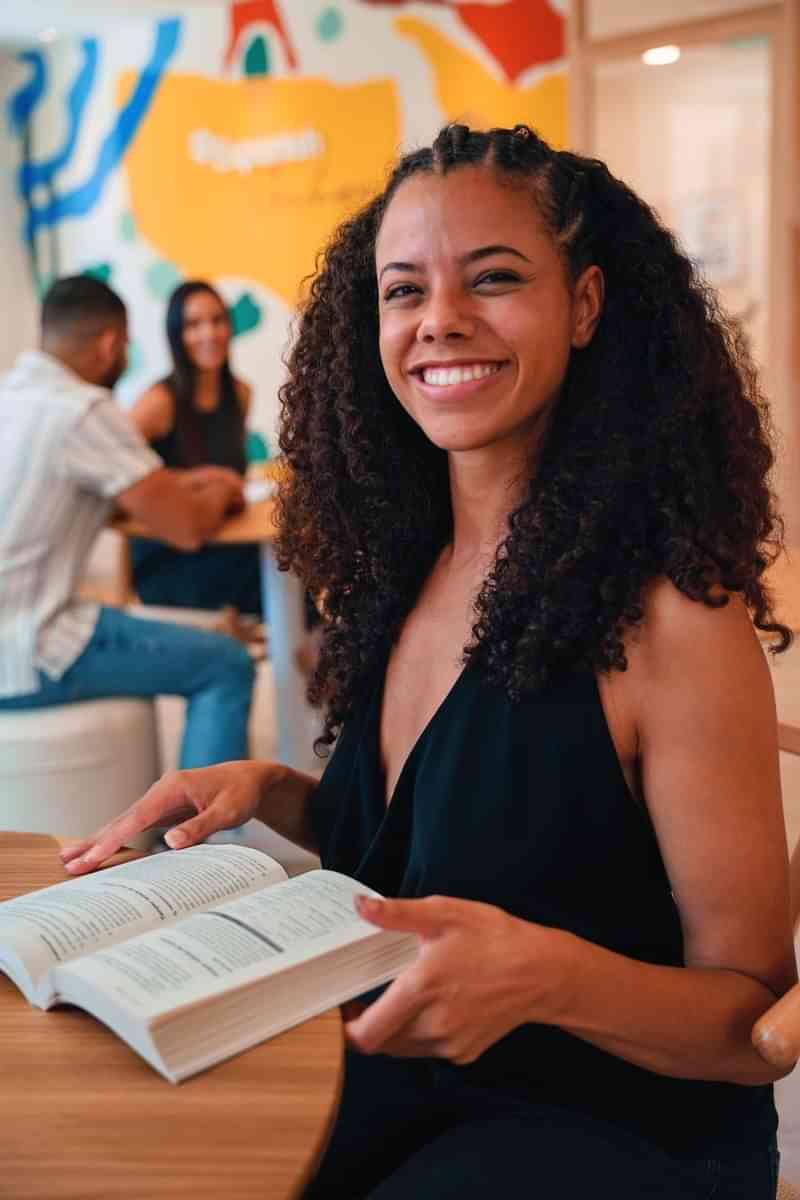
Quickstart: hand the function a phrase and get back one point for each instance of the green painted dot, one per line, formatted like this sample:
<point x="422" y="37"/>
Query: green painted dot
<point x="245" y="314"/>
<point x="256" y="447"/>
<point x="101" y="271"/>
<point x="256" y="60"/>
<point x="42" y="283"/>
<point x="162" y="278"/>
<point x="127" y="227"/>
<point x="329" y="24"/>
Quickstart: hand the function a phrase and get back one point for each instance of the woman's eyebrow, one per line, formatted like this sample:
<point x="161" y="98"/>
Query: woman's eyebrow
<point x="471" y="256"/>
<point x="486" y="251"/>
<point x="398" y="266"/>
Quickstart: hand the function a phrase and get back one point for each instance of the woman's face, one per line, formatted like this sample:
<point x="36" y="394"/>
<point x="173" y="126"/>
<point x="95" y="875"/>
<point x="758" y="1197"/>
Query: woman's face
<point x="477" y="317"/>
<point x="206" y="331"/>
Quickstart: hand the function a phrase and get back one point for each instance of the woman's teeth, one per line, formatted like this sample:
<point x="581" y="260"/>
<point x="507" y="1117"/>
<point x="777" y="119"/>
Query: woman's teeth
<point x="447" y="376"/>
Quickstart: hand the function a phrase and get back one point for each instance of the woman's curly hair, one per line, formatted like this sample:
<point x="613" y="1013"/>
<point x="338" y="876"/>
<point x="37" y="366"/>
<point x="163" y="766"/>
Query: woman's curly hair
<point x="655" y="462"/>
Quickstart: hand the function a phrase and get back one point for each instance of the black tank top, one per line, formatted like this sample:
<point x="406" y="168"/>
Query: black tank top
<point x="219" y="440"/>
<point x="525" y="806"/>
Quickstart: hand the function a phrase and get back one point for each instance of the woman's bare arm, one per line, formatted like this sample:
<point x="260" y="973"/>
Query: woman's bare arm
<point x="154" y="412"/>
<point x="244" y="394"/>
<point x="699" y="690"/>
<point x="697" y="702"/>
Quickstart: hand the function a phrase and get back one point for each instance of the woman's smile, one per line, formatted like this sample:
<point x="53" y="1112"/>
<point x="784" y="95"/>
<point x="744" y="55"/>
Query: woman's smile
<point x="456" y="380"/>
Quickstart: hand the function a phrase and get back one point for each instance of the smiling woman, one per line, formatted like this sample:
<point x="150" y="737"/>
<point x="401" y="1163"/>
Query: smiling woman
<point x="528" y="473"/>
<point x="529" y="463"/>
<point x="195" y="420"/>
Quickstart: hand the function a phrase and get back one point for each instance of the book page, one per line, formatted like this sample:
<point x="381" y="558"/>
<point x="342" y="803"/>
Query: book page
<point x="228" y="945"/>
<point x="60" y="923"/>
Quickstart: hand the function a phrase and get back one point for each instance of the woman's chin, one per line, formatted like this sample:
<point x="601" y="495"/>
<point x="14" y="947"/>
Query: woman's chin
<point x="212" y="363"/>
<point x="459" y="440"/>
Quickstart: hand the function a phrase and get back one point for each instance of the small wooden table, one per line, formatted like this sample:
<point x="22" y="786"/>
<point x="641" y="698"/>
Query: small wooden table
<point x="82" y="1117"/>
<point x="282" y="600"/>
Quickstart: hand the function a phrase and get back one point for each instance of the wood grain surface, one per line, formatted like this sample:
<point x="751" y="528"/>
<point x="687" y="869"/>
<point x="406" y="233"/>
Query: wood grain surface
<point x="82" y="1117"/>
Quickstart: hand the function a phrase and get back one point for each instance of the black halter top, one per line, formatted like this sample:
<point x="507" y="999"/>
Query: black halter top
<point x="525" y="806"/>
<point x="218" y="441"/>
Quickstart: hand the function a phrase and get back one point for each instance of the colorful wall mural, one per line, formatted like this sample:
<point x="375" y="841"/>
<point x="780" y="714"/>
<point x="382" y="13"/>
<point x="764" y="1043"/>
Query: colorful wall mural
<point x="228" y="142"/>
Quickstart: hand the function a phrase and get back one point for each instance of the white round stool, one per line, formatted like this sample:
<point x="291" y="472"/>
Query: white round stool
<point x="66" y="770"/>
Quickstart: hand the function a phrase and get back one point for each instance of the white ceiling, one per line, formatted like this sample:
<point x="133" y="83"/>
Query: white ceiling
<point x="22" y="22"/>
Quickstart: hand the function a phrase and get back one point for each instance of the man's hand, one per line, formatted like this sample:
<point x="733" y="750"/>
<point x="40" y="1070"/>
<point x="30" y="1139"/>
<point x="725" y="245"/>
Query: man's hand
<point x="198" y="477"/>
<point x="201" y="479"/>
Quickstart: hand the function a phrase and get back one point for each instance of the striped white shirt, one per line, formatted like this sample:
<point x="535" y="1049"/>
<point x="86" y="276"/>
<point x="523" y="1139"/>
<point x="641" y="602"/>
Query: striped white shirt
<point x="66" y="450"/>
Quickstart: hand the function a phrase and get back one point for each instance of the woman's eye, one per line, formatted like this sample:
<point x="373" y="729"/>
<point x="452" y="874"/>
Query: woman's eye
<point x="399" y="291"/>
<point x="497" y="276"/>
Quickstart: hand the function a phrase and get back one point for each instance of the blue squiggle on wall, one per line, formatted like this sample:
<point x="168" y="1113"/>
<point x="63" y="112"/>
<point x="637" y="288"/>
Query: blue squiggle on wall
<point x="24" y="101"/>
<point x="82" y="199"/>
<point x="31" y="174"/>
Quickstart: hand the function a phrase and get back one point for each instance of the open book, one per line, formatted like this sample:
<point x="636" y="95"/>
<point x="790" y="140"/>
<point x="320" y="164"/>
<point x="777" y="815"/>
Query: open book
<point x="193" y="956"/>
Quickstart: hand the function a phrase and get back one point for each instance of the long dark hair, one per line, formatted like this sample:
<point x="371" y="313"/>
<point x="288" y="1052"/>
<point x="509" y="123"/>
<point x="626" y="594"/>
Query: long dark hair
<point x="656" y="461"/>
<point x="181" y="381"/>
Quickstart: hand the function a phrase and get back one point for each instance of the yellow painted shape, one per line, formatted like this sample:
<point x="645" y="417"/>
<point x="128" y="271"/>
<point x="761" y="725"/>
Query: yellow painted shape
<point x="267" y="223"/>
<point x="468" y="93"/>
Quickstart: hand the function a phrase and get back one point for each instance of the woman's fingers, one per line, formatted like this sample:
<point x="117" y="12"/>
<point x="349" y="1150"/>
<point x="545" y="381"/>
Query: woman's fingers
<point x="393" y="1012"/>
<point x="70" y="852"/>
<point x="165" y="801"/>
<point x="204" y="823"/>
<point x="196" y="803"/>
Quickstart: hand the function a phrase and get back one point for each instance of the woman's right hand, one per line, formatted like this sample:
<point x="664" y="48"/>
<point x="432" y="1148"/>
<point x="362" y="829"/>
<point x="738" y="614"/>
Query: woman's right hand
<point x="196" y="803"/>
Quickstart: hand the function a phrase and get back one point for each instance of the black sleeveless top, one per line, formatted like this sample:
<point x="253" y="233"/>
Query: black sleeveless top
<point x="218" y="439"/>
<point x="525" y="806"/>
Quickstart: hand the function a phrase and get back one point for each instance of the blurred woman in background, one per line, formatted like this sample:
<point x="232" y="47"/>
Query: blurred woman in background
<point x="195" y="418"/>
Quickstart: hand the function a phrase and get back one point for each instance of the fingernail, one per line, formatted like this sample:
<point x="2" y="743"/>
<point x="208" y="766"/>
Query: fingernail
<point x="176" y="838"/>
<point x="367" y="904"/>
<point x="73" y="866"/>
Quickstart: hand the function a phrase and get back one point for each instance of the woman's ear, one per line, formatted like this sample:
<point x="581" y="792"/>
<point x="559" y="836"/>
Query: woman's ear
<point x="587" y="305"/>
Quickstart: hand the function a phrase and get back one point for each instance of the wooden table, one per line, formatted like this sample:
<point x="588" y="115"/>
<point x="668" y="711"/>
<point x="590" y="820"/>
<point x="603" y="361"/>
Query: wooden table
<point x="82" y="1117"/>
<point x="282" y="599"/>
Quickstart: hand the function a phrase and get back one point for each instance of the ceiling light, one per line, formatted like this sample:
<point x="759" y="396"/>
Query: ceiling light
<point x="661" y="56"/>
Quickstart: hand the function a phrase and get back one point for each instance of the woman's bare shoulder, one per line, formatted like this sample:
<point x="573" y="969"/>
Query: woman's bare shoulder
<point x="696" y="667"/>
<point x="686" y="657"/>
<point x="244" y="394"/>
<point x="677" y="627"/>
<point x="154" y="411"/>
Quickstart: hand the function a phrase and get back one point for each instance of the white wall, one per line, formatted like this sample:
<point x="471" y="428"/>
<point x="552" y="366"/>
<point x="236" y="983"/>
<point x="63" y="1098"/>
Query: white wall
<point x="18" y="306"/>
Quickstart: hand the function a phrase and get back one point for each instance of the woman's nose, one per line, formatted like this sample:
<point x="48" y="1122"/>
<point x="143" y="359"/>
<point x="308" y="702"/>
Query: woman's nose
<point x="445" y="315"/>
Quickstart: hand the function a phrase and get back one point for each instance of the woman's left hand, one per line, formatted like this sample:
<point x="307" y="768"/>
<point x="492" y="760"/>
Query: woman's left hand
<point x="480" y="973"/>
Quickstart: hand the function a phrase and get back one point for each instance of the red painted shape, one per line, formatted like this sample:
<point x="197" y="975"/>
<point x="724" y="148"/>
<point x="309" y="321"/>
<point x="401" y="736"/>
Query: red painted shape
<point x="249" y="12"/>
<point x="519" y="34"/>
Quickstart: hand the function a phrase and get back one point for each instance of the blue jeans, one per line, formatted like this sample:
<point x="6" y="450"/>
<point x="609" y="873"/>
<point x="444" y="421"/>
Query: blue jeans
<point x="130" y="656"/>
